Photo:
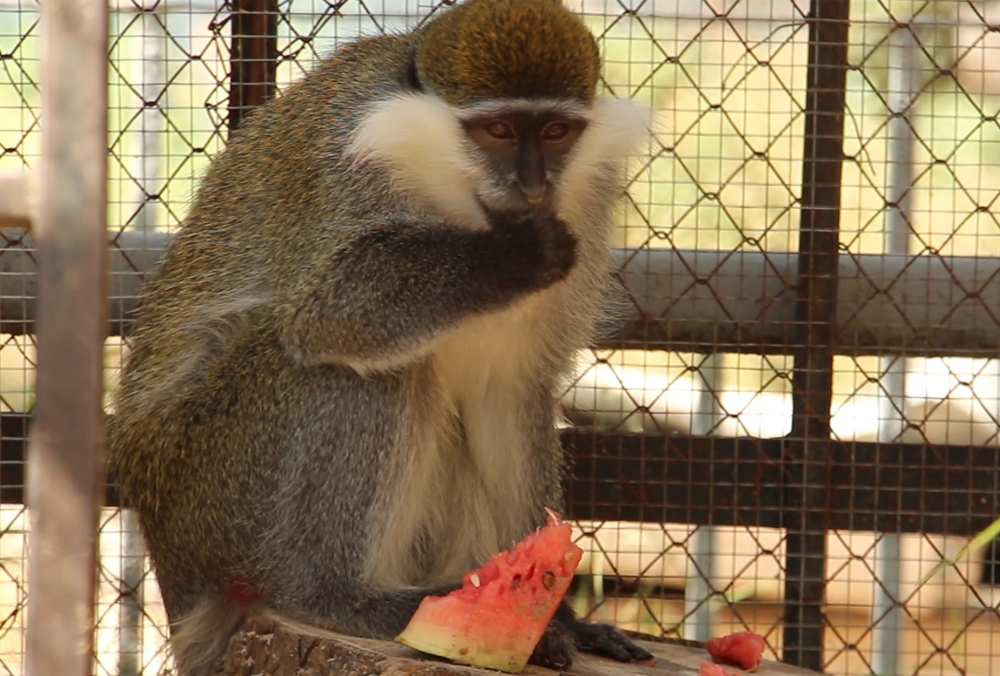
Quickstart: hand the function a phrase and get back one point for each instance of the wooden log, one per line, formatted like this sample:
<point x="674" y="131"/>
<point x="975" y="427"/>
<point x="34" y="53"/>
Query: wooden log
<point x="267" y="645"/>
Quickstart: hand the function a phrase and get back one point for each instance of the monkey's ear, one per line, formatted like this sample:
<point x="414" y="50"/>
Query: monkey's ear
<point x="412" y="81"/>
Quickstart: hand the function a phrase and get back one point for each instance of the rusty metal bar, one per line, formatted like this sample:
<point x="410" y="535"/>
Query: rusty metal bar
<point x="65" y="472"/>
<point x="904" y="488"/>
<point x="254" y="59"/>
<point x="808" y="449"/>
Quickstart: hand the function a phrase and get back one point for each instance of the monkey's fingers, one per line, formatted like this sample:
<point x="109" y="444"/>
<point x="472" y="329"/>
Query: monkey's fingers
<point x="604" y="639"/>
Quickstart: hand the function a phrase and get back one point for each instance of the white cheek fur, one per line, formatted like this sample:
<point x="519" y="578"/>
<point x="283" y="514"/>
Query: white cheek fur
<point x="419" y="139"/>
<point x="615" y="129"/>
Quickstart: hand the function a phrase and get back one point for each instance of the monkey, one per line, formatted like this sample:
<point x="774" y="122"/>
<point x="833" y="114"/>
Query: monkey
<point x="341" y="388"/>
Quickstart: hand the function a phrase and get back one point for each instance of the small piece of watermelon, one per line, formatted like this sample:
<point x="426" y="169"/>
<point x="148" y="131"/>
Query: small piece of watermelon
<point x="743" y="649"/>
<point x="498" y="616"/>
<point x="709" y="669"/>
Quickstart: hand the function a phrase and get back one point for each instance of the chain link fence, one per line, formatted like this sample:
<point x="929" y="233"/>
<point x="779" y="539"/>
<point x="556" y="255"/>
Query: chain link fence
<point x="794" y="425"/>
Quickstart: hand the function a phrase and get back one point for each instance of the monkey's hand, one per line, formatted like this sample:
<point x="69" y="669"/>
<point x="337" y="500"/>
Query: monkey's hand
<point x="542" y="242"/>
<point x="567" y="633"/>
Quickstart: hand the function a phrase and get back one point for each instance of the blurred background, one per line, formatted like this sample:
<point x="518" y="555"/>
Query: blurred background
<point x="813" y="462"/>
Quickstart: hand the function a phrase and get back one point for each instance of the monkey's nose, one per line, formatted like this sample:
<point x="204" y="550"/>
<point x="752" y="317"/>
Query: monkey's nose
<point x="534" y="194"/>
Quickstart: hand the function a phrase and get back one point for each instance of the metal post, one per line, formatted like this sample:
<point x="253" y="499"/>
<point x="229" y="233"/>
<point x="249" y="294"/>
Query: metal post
<point x="65" y="468"/>
<point x="133" y="565"/>
<point x="698" y="591"/>
<point x="807" y="450"/>
<point x="254" y="57"/>
<point x="903" y="86"/>
<point x="149" y="74"/>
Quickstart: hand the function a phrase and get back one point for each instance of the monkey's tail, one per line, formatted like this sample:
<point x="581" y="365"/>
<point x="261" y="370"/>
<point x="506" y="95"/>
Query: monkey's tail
<point x="199" y="638"/>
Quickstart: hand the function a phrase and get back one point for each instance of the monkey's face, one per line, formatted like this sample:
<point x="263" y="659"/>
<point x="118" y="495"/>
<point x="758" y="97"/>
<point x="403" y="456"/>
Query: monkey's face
<point x="524" y="151"/>
<point x="510" y="155"/>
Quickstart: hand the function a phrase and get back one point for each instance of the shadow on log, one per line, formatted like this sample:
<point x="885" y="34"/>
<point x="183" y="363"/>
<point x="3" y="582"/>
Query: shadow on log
<point x="273" y="646"/>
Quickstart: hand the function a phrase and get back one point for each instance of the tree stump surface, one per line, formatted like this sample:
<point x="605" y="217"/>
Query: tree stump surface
<point x="273" y="646"/>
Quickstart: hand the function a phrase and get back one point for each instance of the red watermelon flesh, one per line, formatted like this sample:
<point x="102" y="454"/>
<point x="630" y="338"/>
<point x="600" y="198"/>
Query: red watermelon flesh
<point x="709" y="669"/>
<point x="502" y="609"/>
<point x="743" y="649"/>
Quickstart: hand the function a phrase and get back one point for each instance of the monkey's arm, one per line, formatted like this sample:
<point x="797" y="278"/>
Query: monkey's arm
<point x="384" y="298"/>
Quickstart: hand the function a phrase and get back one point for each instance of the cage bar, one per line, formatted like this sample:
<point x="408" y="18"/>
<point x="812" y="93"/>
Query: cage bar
<point x="736" y="481"/>
<point x="806" y="455"/>
<point x="254" y="57"/>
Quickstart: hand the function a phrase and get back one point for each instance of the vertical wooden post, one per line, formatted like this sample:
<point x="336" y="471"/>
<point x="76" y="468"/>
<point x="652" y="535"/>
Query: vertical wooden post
<point x="65" y="460"/>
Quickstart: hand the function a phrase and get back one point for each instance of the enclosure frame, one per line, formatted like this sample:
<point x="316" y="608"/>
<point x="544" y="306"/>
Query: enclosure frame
<point x="799" y="482"/>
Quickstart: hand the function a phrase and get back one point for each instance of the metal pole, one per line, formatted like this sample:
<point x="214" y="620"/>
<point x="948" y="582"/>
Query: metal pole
<point x="903" y="86"/>
<point x="698" y="591"/>
<point x="133" y="564"/>
<point x="808" y="448"/>
<point x="65" y="468"/>
<point x="254" y="57"/>
<point x="149" y="76"/>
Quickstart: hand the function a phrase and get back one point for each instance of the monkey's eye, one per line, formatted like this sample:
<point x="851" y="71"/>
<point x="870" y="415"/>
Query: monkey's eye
<point x="500" y="130"/>
<point x="556" y="131"/>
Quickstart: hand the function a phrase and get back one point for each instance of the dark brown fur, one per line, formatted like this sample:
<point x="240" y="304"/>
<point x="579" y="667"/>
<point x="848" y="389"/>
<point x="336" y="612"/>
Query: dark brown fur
<point x="508" y="49"/>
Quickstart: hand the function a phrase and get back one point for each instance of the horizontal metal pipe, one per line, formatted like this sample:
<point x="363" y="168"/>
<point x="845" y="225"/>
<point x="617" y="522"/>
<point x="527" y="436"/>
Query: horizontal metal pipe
<point x="698" y="301"/>
<point x="707" y="301"/>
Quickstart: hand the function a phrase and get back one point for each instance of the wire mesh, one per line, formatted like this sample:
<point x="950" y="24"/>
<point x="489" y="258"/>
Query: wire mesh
<point x="693" y="443"/>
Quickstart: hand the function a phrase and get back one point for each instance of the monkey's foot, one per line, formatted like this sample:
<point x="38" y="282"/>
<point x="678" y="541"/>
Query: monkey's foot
<point x="604" y="639"/>
<point x="556" y="649"/>
<point x="600" y="639"/>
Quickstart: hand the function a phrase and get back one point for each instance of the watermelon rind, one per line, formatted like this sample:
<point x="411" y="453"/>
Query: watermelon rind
<point x="444" y="641"/>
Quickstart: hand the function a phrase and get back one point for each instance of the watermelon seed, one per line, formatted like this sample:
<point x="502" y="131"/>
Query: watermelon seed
<point x="515" y="582"/>
<point x="548" y="579"/>
<point x="474" y="578"/>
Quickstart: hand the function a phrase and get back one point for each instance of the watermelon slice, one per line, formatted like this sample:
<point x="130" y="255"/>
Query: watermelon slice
<point x="709" y="669"/>
<point x="743" y="649"/>
<point x="498" y="616"/>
